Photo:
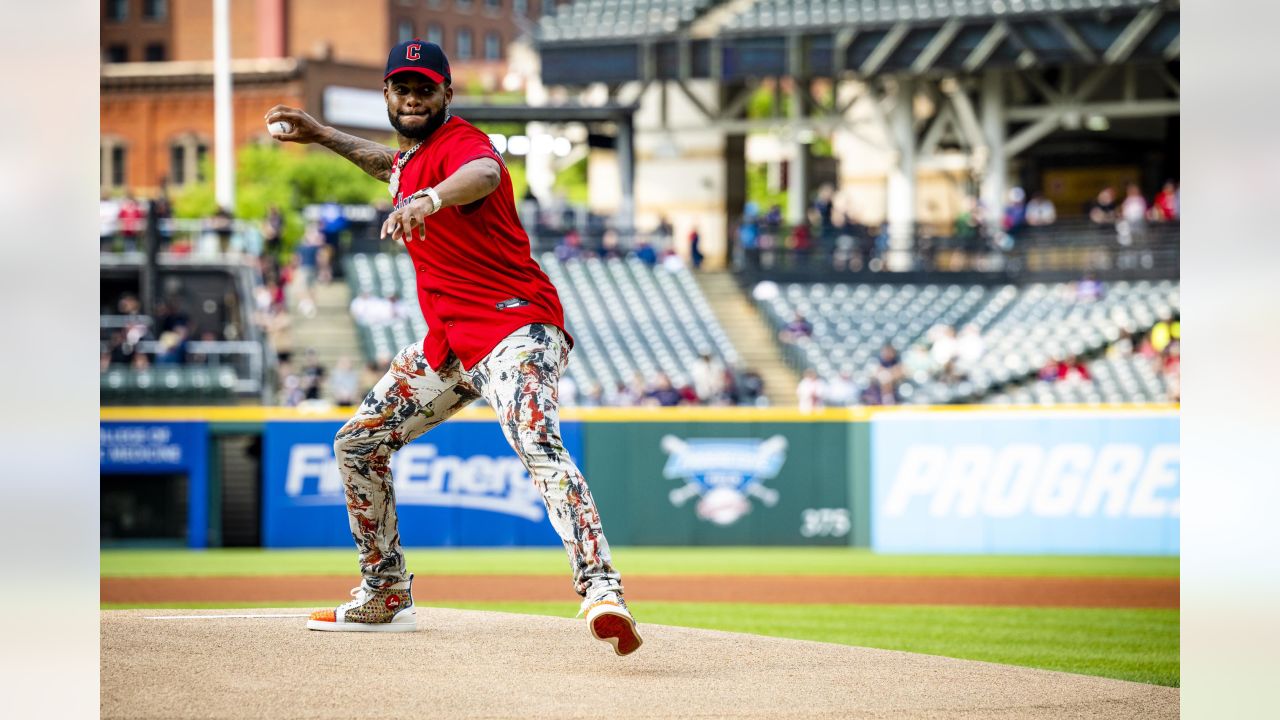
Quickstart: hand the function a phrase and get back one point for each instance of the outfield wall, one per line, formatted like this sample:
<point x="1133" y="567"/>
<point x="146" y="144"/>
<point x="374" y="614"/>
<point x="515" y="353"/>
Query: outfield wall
<point x="977" y="480"/>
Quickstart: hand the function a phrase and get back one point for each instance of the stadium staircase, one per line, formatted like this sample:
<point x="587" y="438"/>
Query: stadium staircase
<point x="331" y="331"/>
<point x="750" y="334"/>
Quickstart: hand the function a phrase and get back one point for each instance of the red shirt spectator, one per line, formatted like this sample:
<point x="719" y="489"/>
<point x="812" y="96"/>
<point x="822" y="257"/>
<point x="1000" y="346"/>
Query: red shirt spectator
<point x="131" y="216"/>
<point x="1165" y="206"/>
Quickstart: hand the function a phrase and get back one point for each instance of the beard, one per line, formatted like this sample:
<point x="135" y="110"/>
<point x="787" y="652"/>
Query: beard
<point x="434" y="121"/>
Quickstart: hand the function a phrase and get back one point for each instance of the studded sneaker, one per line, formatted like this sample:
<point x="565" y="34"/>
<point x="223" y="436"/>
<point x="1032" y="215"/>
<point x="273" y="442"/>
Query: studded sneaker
<point x="388" y="609"/>
<point x="610" y="621"/>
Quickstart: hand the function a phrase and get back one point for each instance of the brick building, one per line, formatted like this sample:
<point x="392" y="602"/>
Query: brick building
<point x="157" y="83"/>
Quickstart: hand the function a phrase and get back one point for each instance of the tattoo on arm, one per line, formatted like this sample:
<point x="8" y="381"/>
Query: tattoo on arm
<point x="369" y="156"/>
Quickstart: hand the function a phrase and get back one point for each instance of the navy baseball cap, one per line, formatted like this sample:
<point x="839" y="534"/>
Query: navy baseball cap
<point x="426" y="58"/>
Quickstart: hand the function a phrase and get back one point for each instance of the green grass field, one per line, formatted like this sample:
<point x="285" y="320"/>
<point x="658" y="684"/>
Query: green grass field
<point x="1138" y="645"/>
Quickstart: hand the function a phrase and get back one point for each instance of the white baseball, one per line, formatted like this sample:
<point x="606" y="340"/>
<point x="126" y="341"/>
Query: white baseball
<point x="280" y="127"/>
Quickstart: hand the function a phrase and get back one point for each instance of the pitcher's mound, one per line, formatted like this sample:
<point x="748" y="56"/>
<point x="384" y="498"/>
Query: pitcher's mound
<point x="466" y="664"/>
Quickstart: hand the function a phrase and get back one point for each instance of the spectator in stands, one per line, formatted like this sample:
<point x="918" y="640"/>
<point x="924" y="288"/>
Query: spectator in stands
<point x="1133" y="216"/>
<point x="1040" y="211"/>
<point x="344" y="383"/>
<point x="708" y="378"/>
<point x="916" y="362"/>
<point x="626" y="396"/>
<point x="1089" y="289"/>
<point x="306" y="260"/>
<point x="1015" y="212"/>
<point x="751" y="389"/>
<point x="663" y="393"/>
<point x="1165" y="207"/>
<point x="749" y="236"/>
<point x="594" y="397"/>
<point x="943" y="346"/>
<point x="108" y="223"/>
<point x="729" y="388"/>
<point x="373" y="371"/>
<point x="695" y="250"/>
<point x="664" y="233"/>
<point x="842" y="390"/>
<point x="645" y="252"/>
<point x="671" y="260"/>
<point x="609" y="248"/>
<point x="569" y="247"/>
<point x="312" y="375"/>
<point x="800" y="243"/>
<point x="332" y="224"/>
<point x="1171" y="370"/>
<point x="969" y="347"/>
<point x="173" y="346"/>
<point x="810" y="391"/>
<point x="877" y="393"/>
<point x="1102" y="209"/>
<point x="362" y="310"/>
<point x="139" y="361"/>
<point x="131" y="221"/>
<point x="222" y="226"/>
<point x="889" y="368"/>
<point x="823" y="210"/>
<point x="568" y="392"/>
<point x="395" y="308"/>
<point x="1061" y="369"/>
<point x="795" y="330"/>
<point x="272" y="231"/>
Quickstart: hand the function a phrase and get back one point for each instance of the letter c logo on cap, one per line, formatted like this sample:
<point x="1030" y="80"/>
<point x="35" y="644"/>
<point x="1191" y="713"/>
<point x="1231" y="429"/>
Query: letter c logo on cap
<point x="412" y="52"/>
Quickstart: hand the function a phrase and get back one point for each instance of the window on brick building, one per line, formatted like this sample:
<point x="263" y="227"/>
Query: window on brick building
<point x="493" y="5"/>
<point x="492" y="46"/>
<point x="464" y="44"/>
<point x="117" y="10"/>
<point x="435" y="34"/>
<point x="155" y="9"/>
<point x="117" y="53"/>
<point x="404" y="30"/>
<point x="186" y="160"/>
<point x="154" y="53"/>
<point x="464" y="4"/>
<point x="114" y="156"/>
<point x="520" y="7"/>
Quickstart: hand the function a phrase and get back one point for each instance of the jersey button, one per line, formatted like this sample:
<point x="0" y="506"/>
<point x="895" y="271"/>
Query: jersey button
<point x="422" y="268"/>
<point x="450" y="324"/>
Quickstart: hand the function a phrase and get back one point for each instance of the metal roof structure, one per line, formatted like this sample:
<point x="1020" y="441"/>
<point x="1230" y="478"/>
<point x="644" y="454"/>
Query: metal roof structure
<point x="615" y="41"/>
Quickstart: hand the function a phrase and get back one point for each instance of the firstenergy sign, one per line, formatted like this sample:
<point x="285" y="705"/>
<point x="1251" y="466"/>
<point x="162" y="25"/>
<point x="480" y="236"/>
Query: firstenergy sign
<point x="422" y="476"/>
<point x="1033" y="482"/>
<point x="1114" y="480"/>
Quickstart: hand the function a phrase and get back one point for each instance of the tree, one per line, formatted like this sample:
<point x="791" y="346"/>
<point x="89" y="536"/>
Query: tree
<point x="290" y="178"/>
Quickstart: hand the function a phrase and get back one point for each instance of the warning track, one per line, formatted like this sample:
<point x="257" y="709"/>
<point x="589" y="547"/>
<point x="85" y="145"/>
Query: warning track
<point x="994" y="591"/>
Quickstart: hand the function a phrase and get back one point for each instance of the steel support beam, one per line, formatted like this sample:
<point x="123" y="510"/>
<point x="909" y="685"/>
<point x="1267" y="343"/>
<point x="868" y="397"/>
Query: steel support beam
<point x="884" y="49"/>
<point x="994" y="123"/>
<point x="937" y="44"/>
<point x="1132" y="35"/>
<point x="1119" y="109"/>
<point x="986" y="46"/>
<point x="902" y="177"/>
<point x="1082" y="49"/>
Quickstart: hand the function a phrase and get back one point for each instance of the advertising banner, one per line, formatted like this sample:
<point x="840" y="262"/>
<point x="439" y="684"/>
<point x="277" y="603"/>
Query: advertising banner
<point x="721" y="483"/>
<point x="458" y="485"/>
<point x="160" y="448"/>
<point x="1033" y="482"/>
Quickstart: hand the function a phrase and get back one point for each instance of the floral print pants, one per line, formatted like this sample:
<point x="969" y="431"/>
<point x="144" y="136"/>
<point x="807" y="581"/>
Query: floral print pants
<point x="519" y="380"/>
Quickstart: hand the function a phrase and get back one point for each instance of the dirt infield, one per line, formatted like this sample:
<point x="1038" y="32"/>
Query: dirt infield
<point x="466" y="664"/>
<point x="1007" y="591"/>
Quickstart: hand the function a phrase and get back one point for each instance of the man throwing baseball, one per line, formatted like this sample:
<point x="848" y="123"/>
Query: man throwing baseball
<point x="496" y="330"/>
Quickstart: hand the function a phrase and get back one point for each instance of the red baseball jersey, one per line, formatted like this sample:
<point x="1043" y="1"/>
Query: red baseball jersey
<point x="477" y="281"/>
